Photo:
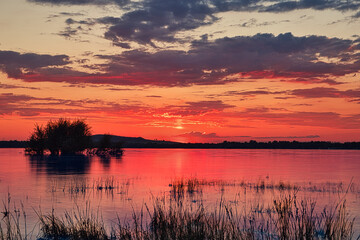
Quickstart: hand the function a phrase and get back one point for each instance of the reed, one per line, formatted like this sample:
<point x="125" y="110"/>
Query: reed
<point x="13" y="222"/>
<point x="79" y="224"/>
<point x="79" y="185"/>
<point x="287" y="217"/>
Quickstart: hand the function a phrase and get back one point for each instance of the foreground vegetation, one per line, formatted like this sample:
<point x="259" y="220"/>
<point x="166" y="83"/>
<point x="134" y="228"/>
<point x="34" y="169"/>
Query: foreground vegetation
<point x="286" y="218"/>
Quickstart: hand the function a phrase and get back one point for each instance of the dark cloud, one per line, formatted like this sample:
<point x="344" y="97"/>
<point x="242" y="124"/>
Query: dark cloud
<point x="159" y="20"/>
<point x="234" y="59"/>
<point x="11" y="86"/>
<point x="26" y="105"/>
<point x="196" y="108"/>
<point x="199" y="135"/>
<point x="263" y="56"/>
<point x="214" y="137"/>
<point x="228" y="5"/>
<point x="317" y="92"/>
<point x="82" y="2"/>
<point x="75" y="28"/>
<point x="154" y="96"/>
<point x="208" y="137"/>
<point x="252" y="22"/>
<point x="203" y="106"/>
<point x="357" y="15"/>
<point x="148" y="21"/>
<point x="281" y="118"/>
<point x="285" y="5"/>
<point x="252" y="93"/>
<point x="65" y="14"/>
<point x="314" y="80"/>
<point x="122" y="89"/>
<point x="15" y="64"/>
<point x="288" y="137"/>
<point x="68" y="32"/>
<point x="322" y="92"/>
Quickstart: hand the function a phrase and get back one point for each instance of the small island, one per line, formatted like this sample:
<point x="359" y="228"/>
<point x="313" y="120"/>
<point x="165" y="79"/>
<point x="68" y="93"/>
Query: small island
<point x="66" y="137"/>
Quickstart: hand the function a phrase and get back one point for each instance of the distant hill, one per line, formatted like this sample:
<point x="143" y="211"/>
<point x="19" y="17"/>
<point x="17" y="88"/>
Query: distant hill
<point x="133" y="141"/>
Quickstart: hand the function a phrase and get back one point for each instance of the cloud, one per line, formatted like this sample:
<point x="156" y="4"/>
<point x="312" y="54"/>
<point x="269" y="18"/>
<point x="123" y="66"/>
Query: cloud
<point x="17" y="65"/>
<point x="317" y="92"/>
<point x="65" y="14"/>
<point x="10" y="86"/>
<point x="234" y="59"/>
<point x="199" y="135"/>
<point x="227" y="5"/>
<point x="252" y="93"/>
<point x="252" y="22"/>
<point x="322" y="92"/>
<point x="294" y="118"/>
<point x="288" y="137"/>
<point x="213" y="137"/>
<point x="159" y="20"/>
<point x="208" y="137"/>
<point x="154" y="96"/>
<point x="310" y="59"/>
<point x="26" y="105"/>
<point x="217" y="105"/>
<point x="198" y="108"/>
<point x="121" y="89"/>
<point x="357" y="15"/>
<point x="328" y="81"/>
<point x="82" y="2"/>
<point x="151" y="21"/>
<point x="285" y="5"/>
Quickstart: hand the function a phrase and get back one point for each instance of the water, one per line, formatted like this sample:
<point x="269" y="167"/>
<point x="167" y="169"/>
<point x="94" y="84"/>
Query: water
<point x="141" y="175"/>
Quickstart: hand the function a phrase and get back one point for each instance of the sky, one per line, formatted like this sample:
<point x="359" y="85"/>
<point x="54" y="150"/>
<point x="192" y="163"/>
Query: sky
<point x="183" y="70"/>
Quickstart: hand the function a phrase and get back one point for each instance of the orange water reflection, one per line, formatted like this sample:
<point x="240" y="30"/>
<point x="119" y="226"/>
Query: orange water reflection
<point x="142" y="174"/>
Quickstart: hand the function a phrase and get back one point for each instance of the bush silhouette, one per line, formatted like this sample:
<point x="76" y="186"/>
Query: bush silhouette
<point x="37" y="141"/>
<point x="106" y="147"/>
<point x="63" y="137"/>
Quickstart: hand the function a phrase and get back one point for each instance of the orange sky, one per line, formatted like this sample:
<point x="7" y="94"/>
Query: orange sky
<point x="183" y="70"/>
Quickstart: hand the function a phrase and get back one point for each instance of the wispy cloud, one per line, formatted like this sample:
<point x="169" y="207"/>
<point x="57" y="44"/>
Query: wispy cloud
<point x="322" y="92"/>
<point x="11" y="86"/>
<point x="298" y="118"/>
<point x="213" y="137"/>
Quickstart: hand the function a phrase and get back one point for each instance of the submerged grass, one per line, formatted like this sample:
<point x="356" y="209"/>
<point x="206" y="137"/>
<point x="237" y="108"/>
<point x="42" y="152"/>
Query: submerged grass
<point x="286" y="218"/>
<point x="81" y="186"/>
<point x="181" y="187"/>
<point x="79" y="224"/>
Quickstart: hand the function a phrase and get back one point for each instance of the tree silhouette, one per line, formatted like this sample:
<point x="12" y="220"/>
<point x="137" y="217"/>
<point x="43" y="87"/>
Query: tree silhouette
<point x="63" y="137"/>
<point x="37" y="141"/>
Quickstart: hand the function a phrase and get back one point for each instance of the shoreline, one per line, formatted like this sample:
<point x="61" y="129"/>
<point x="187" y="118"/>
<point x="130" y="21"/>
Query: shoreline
<point x="223" y="145"/>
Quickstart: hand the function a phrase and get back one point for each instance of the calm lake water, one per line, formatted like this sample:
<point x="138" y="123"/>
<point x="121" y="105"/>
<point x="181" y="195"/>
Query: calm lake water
<point x="141" y="175"/>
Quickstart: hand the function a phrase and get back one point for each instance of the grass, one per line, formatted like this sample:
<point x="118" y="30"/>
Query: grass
<point x="181" y="187"/>
<point x="11" y="221"/>
<point x="286" y="218"/>
<point x="79" y="224"/>
<point x="78" y="185"/>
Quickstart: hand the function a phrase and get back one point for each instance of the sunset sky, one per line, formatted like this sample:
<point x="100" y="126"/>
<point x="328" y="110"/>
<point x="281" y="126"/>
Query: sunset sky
<point x="183" y="70"/>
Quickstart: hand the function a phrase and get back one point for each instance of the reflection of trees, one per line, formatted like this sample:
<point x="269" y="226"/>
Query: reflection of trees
<point x="78" y="164"/>
<point x="64" y="165"/>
